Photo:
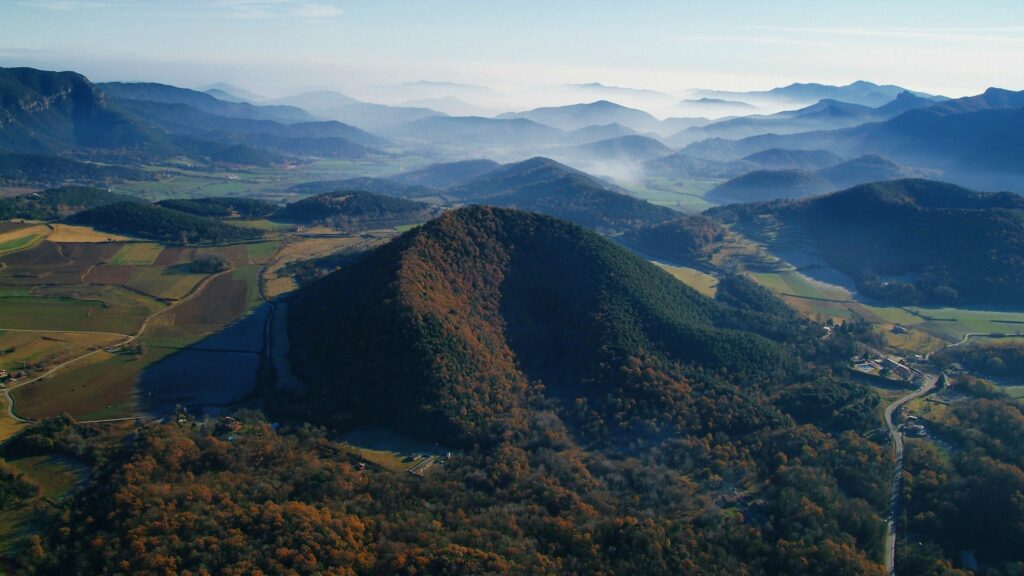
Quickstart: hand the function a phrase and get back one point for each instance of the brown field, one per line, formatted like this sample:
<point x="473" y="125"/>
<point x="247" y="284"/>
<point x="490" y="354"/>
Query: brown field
<point x="221" y="301"/>
<point x="109" y="274"/>
<point x="10" y="226"/>
<point x="67" y="233"/>
<point x="90" y="252"/>
<point x="45" y="255"/>
<point x="172" y="255"/>
<point x="237" y="255"/>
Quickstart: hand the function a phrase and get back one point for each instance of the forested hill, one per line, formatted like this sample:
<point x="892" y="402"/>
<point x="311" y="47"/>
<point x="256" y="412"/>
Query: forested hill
<point x="162" y="224"/>
<point x="685" y="240"/>
<point x="57" y="203"/>
<point x="521" y="334"/>
<point x="946" y="244"/>
<point x="354" y="208"/>
<point x="221" y="207"/>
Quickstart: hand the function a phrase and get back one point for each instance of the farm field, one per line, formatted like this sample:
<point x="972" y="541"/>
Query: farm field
<point x="681" y="194"/>
<point x="296" y="249"/>
<point x="137" y="253"/>
<point x="69" y="233"/>
<point x="67" y="313"/>
<point x="167" y="282"/>
<point x="37" y="350"/>
<point x="706" y="284"/>
<point x="16" y="238"/>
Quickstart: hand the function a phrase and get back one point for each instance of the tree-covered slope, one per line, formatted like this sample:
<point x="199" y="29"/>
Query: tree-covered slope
<point x="348" y="208"/>
<point x="946" y="244"/>
<point x="162" y="224"/>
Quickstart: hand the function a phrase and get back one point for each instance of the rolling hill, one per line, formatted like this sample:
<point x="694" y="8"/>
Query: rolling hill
<point x="908" y="241"/>
<point x="57" y="203"/>
<point x="385" y="186"/>
<point x="354" y="209"/>
<point x="576" y="116"/>
<point x="545" y="186"/>
<point x="221" y="207"/>
<point x="633" y="148"/>
<point x="447" y="174"/>
<point x="782" y="159"/>
<point x="865" y="169"/>
<point x="161" y="224"/>
<point x="762" y="185"/>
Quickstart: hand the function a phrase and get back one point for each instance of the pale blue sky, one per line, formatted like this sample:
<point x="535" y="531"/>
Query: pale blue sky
<point x="279" y="46"/>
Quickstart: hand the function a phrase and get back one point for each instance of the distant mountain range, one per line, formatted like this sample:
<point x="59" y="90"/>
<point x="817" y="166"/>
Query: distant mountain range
<point x="823" y="115"/>
<point x="979" y="147"/>
<point x="796" y="182"/>
<point x="907" y="241"/>
<point x="165" y="94"/>
<point x="860" y="92"/>
<point x="576" y="116"/>
<point x="62" y="112"/>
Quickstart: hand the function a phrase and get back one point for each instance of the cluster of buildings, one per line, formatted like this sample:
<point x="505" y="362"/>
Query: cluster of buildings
<point x="885" y="366"/>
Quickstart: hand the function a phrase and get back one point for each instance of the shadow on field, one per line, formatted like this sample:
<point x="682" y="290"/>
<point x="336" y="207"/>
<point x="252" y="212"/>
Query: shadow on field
<point x="216" y="372"/>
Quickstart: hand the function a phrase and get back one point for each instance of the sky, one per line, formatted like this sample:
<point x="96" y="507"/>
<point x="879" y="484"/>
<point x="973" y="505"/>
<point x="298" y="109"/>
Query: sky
<point x="523" y="48"/>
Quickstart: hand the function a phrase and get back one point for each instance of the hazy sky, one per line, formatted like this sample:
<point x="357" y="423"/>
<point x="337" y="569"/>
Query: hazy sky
<point x="277" y="46"/>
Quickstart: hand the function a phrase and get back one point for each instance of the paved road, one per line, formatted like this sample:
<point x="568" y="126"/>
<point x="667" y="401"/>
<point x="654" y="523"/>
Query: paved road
<point x="927" y="385"/>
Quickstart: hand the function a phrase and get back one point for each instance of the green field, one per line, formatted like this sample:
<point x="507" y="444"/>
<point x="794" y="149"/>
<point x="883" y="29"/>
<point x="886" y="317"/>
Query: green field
<point x="251" y="275"/>
<point x="77" y="308"/>
<point x="18" y="243"/>
<point x="260" y="252"/>
<point x="172" y="282"/>
<point x="137" y="254"/>
<point x="680" y="194"/>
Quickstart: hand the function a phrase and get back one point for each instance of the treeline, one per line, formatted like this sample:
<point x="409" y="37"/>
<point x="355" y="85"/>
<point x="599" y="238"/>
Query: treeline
<point x="162" y="224"/>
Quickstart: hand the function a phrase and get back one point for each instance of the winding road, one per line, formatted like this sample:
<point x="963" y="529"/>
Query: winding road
<point x="928" y="382"/>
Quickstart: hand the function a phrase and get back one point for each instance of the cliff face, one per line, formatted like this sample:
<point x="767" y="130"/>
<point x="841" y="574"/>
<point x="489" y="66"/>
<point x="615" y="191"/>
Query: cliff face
<point x="57" y="112"/>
